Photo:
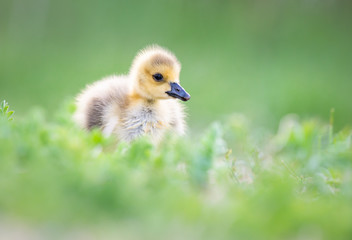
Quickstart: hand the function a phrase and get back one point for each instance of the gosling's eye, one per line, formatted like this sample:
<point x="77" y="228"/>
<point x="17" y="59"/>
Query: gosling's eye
<point x="158" y="77"/>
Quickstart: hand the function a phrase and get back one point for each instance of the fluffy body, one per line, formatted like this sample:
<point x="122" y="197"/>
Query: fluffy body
<point x="133" y="105"/>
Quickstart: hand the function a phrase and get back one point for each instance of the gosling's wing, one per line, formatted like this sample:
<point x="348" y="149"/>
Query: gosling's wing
<point x="99" y="104"/>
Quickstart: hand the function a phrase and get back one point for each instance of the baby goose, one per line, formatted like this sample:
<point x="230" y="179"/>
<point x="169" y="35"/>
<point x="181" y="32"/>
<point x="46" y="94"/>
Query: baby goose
<point x="140" y="103"/>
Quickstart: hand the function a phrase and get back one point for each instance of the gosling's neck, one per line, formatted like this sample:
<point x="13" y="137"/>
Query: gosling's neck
<point x="144" y="100"/>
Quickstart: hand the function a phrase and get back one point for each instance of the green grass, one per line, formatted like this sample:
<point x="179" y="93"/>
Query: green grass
<point x="232" y="181"/>
<point x="262" y="174"/>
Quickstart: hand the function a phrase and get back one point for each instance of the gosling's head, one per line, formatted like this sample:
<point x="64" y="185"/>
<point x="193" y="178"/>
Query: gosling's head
<point x="155" y="72"/>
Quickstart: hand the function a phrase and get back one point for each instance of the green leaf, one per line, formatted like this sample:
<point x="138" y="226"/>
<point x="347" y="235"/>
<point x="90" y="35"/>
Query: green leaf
<point x="4" y="110"/>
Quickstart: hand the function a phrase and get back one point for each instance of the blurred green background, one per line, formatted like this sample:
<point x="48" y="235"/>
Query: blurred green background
<point x="262" y="58"/>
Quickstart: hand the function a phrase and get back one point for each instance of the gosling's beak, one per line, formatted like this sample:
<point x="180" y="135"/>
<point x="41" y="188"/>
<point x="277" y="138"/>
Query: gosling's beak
<point x="178" y="92"/>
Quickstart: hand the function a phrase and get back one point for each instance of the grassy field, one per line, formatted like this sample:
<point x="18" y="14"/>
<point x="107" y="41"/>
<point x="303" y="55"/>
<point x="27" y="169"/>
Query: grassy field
<point x="236" y="181"/>
<point x="268" y="154"/>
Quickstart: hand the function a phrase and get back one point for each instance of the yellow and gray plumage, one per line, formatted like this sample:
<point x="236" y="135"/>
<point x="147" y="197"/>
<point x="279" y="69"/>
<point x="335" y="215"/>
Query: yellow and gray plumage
<point x="140" y="103"/>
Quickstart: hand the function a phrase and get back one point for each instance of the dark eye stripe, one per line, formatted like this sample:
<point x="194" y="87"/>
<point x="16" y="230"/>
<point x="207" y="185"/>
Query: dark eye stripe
<point x="158" y="77"/>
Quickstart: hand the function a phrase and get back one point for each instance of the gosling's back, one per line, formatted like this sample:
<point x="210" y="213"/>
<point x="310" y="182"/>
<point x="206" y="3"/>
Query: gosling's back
<point x="98" y="99"/>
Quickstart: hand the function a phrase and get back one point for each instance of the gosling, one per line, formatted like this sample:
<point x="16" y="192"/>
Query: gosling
<point x="140" y="103"/>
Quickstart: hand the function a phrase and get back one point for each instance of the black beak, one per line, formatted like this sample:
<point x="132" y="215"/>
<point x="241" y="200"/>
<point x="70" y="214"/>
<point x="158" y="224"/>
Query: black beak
<point x="178" y="92"/>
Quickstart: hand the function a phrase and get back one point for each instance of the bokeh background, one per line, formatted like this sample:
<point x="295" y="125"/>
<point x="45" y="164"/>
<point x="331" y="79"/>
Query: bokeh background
<point x="262" y="58"/>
